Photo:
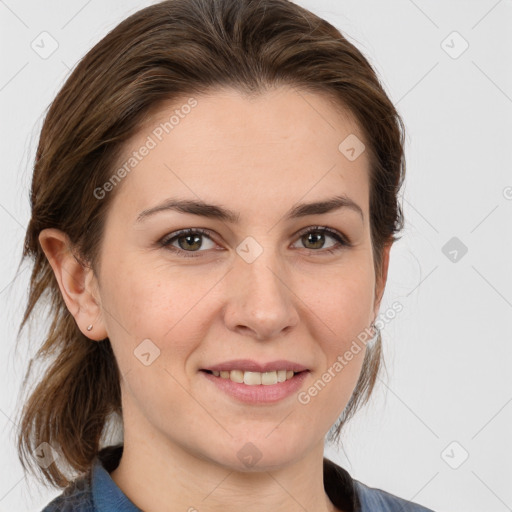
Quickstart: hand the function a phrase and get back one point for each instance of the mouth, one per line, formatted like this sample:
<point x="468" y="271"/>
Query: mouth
<point x="250" y="378"/>
<point x="256" y="387"/>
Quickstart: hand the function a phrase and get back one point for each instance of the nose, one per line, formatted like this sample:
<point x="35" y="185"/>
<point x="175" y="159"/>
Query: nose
<point x="260" y="301"/>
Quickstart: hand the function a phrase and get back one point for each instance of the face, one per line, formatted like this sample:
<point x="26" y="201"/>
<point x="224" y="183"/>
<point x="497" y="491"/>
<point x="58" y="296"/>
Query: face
<point x="272" y="282"/>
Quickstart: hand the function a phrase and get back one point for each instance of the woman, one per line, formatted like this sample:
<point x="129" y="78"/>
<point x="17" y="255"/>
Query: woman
<point x="214" y="201"/>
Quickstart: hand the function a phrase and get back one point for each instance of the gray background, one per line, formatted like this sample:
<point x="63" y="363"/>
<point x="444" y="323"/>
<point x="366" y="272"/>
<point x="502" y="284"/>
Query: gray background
<point x="448" y="393"/>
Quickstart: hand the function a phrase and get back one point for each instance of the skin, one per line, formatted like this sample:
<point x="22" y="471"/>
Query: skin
<point x="257" y="156"/>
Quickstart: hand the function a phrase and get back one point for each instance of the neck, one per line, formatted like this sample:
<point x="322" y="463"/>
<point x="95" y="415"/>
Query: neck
<point x="164" y="476"/>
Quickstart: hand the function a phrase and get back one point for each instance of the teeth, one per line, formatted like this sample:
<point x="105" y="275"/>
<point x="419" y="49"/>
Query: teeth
<point x="255" y="378"/>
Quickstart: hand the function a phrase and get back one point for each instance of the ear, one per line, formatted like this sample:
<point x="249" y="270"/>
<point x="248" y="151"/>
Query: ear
<point x="77" y="283"/>
<point x="381" y="278"/>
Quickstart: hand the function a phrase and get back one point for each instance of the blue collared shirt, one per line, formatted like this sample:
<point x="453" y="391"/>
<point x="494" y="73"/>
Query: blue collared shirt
<point x="97" y="492"/>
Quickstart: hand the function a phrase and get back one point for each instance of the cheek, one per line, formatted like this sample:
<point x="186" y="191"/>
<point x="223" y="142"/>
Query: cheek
<point x="341" y="309"/>
<point x="342" y="315"/>
<point x="157" y="315"/>
<point x="342" y="303"/>
<point x="163" y="306"/>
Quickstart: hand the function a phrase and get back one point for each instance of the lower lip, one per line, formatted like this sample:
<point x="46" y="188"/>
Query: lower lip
<point x="261" y="393"/>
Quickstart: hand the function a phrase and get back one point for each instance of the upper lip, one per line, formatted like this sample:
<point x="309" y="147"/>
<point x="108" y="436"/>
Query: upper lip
<point x="248" y="365"/>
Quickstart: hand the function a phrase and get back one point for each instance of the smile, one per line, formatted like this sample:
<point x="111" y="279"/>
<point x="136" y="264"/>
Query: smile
<point x="255" y="378"/>
<point x="256" y="387"/>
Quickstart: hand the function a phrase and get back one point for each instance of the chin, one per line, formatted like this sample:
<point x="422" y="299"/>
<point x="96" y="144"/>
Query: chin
<point x="260" y="454"/>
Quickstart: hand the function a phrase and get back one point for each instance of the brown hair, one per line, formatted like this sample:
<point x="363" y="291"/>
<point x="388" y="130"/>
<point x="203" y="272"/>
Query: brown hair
<point x="174" y="48"/>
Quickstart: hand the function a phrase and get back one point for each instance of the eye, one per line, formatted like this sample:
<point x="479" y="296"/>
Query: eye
<point x="316" y="237"/>
<point x="188" y="240"/>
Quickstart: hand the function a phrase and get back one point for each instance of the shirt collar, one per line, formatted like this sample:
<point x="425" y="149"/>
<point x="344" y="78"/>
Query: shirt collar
<point x="107" y="496"/>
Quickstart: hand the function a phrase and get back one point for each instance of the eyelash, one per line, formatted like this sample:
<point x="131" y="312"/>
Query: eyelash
<point x="342" y="241"/>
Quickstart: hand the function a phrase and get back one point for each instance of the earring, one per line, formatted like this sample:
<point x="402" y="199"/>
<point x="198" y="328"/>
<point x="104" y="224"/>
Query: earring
<point x="89" y="327"/>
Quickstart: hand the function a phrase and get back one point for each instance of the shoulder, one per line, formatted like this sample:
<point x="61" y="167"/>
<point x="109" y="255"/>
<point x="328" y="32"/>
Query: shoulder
<point x="377" y="500"/>
<point x="76" y="497"/>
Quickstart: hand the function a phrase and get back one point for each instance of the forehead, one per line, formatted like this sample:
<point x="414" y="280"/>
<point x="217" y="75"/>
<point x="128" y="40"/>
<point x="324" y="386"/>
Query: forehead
<point x="264" y="150"/>
<point x="283" y="114"/>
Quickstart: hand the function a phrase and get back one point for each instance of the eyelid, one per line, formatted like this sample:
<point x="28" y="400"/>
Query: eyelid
<point x="331" y="231"/>
<point x="165" y="242"/>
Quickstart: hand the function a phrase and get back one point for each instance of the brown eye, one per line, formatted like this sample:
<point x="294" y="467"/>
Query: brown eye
<point x="315" y="238"/>
<point x="188" y="241"/>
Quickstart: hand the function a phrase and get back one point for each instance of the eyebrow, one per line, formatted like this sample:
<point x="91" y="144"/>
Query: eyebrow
<point x="212" y="211"/>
